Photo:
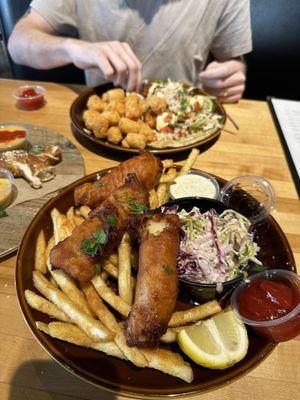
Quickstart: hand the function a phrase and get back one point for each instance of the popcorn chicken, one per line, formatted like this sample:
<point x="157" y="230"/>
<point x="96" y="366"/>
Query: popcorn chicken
<point x="114" y="135"/>
<point x="95" y="103"/>
<point x="135" y="140"/>
<point x="127" y="125"/>
<point x="150" y="119"/>
<point x="114" y="95"/>
<point x="96" y="122"/>
<point x="112" y="116"/>
<point x="133" y="110"/>
<point x="117" y="106"/>
<point x="146" y="131"/>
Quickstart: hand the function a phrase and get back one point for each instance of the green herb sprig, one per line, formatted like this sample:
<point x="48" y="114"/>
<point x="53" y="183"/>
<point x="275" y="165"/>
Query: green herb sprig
<point x="168" y="269"/>
<point x="135" y="206"/>
<point x="92" y="247"/>
<point x="112" y="220"/>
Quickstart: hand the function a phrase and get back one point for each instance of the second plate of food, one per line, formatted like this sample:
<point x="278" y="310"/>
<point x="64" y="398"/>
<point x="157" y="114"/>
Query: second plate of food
<point x="167" y="117"/>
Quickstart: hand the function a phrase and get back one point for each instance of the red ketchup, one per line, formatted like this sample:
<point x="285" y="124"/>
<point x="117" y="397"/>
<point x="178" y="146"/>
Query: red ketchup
<point x="265" y="300"/>
<point x="8" y="136"/>
<point x="30" y="99"/>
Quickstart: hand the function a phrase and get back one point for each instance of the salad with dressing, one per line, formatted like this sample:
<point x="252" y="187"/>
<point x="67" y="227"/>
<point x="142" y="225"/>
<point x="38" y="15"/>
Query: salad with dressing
<point x="214" y="248"/>
<point x="190" y="115"/>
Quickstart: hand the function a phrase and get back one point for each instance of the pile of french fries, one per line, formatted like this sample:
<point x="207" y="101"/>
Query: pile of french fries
<point x="79" y="314"/>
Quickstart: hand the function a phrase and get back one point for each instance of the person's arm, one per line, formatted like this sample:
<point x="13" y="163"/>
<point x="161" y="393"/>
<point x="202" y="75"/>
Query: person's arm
<point x="226" y="80"/>
<point x="35" y="43"/>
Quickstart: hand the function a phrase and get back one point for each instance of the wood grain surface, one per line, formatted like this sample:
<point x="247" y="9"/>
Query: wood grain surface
<point x="26" y="370"/>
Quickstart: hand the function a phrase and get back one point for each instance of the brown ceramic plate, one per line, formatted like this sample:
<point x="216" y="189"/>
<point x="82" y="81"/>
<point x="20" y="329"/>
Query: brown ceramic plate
<point x="120" y="376"/>
<point x="78" y="125"/>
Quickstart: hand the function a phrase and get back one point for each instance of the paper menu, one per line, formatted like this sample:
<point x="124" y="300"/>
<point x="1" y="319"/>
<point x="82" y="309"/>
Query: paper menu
<point x="287" y="113"/>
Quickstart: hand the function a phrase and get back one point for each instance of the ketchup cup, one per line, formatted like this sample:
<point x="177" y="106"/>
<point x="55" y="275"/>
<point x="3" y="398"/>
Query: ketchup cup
<point x="269" y="302"/>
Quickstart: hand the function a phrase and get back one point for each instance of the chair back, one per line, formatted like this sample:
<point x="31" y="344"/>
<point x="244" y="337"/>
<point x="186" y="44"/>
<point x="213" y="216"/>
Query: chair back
<point x="10" y="12"/>
<point x="274" y="64"/>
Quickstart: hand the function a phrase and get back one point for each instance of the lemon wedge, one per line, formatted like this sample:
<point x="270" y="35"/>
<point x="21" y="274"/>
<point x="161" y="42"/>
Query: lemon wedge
<point x="218" y="342"/>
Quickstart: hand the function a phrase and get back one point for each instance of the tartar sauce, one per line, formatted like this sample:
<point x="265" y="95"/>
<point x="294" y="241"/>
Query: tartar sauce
<point x="192" y="185"/>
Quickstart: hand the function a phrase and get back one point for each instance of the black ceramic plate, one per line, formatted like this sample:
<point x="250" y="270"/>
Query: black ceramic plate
<point x="120" y="376"/>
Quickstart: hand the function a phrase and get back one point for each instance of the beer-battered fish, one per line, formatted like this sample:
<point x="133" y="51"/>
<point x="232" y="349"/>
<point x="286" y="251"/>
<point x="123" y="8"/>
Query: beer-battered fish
<point x="156" y="288"/>
<point x="146" y="166"/>
<point x="101" y="232"/>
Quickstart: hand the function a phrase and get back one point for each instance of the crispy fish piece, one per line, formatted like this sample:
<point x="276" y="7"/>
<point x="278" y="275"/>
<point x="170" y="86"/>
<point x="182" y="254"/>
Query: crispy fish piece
<point x="156" y="288"/>
<point x="101" y="232"/>
<point x="146" y="166"/>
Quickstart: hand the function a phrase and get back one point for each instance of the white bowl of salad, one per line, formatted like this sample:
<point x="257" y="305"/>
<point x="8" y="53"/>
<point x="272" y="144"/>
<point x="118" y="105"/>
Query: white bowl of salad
<point x="216" y="248"/>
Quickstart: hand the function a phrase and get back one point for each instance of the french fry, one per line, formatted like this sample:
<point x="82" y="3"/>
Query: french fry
<point x="92" y="327"/>
<point x="113" y="258"/>
<point x="124" y="272"/>
<point x="40" y="253"/>
<point x="134" y="258"/>
<point x="70" y="215"/>
<point x="168" y="362"/>
<point x="61" y="226"/>
<point x="133" y="354"/>
<point x="53" y="281"/>
<point x="84" y="211"/>
<point x="167" y="163"/>
<point x="194" y="314"/>
<point x="189" y="162"/>
<point x="153" y="199"/>
<point x="49" y="247"/>
<point x="78" y="220"/>
<point x="99" y="308"/>
<point x="72" y="334"/>
<point x="169" y="337"/>
<point x="169" y="176"/>
<point x="68" y="286"/>
<point x="162" y="193"/>
<point x="104" y="275"/>
<point x="41" y="304"/>
<point x="110" y="268"/>
<point x="110" y="297"/>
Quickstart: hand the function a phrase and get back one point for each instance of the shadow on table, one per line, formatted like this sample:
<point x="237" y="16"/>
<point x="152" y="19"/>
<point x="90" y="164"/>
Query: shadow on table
<point x="31" y="379"/>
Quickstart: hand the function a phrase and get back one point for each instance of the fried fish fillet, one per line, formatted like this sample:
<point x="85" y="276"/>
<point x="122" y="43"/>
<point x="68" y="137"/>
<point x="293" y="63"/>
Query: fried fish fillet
<point x="101" y="232"/>
<point x="156" y="288"/>
<point x="146" y="166"/>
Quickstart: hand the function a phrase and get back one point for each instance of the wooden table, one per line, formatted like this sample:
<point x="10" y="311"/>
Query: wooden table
<point x="26" y="370"/>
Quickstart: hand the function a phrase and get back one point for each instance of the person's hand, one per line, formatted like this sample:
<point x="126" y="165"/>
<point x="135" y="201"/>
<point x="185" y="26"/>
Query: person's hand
<point x="116" y="61"/>
<point x="226" y="80"/>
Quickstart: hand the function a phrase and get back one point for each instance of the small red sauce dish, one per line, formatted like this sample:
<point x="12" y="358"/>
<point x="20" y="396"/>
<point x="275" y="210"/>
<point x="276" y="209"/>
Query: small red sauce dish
<point x="30" y="97"/>
<point x="269" y="302"/>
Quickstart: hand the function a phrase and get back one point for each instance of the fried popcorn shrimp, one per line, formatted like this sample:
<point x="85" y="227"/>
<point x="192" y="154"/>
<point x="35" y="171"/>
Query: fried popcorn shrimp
<point x="135" y="140"/>
<point x="112" y="116"/>
<point x="133" y="96"/>
<point x="127" y="125"/>
<point x="114" y="95"/>
<point x="96" y="122"/>
<point x="156" y="104"/>
<point x="114" y="135"/>
<point x="144" y="106"/>
<point x="146" y="131"/>
<point x="150" y="119"/>
<point x="95" y="103"/>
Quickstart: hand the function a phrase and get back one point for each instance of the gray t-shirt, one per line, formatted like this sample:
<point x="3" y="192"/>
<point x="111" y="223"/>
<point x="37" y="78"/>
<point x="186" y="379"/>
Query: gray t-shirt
<point x="171" y="38"/>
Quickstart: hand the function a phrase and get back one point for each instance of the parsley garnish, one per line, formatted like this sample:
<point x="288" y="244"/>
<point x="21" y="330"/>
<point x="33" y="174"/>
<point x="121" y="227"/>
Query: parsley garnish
<point x="100" y="184"/>
<point x="112" y="220"/>
<point x="135" y="206"/>
<point x="258" y="268"/>
<point x="3" y="214"/>
<point x="168" y="269"/>
<point x="97" y="269"/>
<point x="92" y="247"/>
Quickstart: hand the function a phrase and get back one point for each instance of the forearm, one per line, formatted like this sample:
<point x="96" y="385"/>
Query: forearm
<point x="37" y="49"/>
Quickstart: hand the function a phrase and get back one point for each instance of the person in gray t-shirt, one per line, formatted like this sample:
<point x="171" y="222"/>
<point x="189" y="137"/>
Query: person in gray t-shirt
<point x="198" y="41"/>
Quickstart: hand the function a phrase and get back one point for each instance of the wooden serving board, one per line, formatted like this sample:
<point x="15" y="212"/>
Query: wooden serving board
<point x="71" y="168"/>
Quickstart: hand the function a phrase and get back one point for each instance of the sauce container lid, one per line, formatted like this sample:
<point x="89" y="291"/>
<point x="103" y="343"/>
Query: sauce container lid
<point x="250" y="195"/>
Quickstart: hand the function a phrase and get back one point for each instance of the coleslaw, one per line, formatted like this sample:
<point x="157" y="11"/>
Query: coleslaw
<point x="214" y="248"/>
